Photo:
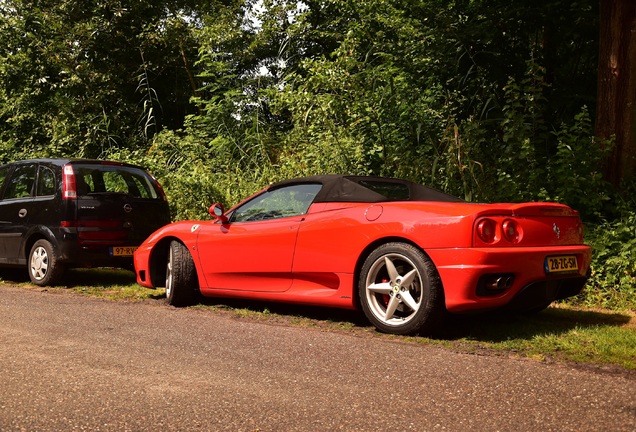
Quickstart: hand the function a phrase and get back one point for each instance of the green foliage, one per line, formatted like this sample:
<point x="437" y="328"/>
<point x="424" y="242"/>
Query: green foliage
<point x="574" y="171"/>
<point x="523" y="155"/>
<point x="530" y="161"/>
<point x="364" y="103"/>
<point x="613" y="281"/>
<point x="488" y="100"/>
<point x="69" y="72"/>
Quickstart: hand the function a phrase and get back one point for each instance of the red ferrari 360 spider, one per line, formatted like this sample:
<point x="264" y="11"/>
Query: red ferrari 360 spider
<point x="402" y="252"/>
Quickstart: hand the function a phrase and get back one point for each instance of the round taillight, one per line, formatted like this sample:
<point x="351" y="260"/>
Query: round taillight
<point x="487" y="230"/>
<point x="511" y="231"/>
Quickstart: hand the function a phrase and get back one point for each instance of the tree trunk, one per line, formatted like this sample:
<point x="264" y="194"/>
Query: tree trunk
<point x="616" y="97"/>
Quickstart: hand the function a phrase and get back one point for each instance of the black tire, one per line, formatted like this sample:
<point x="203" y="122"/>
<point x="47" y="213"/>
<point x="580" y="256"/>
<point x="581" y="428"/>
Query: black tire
<point x="43" y="265"/>
<point x="182" y="287"/>
<point x="400" y="290"/>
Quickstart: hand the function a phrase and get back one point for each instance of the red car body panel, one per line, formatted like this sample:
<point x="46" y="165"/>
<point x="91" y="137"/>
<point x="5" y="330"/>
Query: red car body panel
<point x="314" y="258"/>
<point x="526" y="264"/>
<point x="265" y="248"/>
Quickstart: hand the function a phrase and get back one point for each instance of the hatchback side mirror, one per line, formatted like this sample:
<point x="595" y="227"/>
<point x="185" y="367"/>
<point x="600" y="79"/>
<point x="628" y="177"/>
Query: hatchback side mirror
<point x="217" y="212"/>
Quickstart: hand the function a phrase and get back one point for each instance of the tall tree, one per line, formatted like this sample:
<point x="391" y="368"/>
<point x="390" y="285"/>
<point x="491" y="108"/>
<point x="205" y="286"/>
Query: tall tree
<point x="616" y="102"/>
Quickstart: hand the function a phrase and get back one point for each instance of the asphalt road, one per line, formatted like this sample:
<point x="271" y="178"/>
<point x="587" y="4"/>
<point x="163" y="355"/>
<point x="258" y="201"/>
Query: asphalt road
<point x="71" y="362"/>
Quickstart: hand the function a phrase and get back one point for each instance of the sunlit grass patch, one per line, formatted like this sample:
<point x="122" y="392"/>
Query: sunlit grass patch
<point x="598" y="344"/>
<point x="558" y="333"/>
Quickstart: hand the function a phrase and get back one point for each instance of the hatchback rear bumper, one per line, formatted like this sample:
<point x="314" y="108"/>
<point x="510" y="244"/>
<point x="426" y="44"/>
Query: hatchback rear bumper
<point x="93" y="255"/>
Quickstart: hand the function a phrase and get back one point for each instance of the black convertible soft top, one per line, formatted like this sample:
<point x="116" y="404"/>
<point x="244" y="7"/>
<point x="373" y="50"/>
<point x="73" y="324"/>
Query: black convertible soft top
<point x="343" y="188"/>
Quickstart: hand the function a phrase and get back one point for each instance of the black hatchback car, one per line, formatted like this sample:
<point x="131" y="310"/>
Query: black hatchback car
<point x="59" y="213"/>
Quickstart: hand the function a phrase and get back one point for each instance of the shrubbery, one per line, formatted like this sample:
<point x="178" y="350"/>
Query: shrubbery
<point x="613" y="281"/>
<point x="196" y="173"/>
<point x="198" y="168"/>
<point x="485" y="100"/>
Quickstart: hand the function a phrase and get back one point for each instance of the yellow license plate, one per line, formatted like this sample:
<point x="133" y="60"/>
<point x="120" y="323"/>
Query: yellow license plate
<point x="123" y="250"/>
<point x="563" y="263"/>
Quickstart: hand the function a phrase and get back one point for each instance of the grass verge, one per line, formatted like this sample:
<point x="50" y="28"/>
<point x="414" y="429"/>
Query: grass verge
<point x="560" y="333"/>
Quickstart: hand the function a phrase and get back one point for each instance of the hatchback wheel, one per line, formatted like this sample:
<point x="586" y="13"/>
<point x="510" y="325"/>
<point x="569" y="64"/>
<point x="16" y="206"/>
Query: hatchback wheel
<point x="44" y="268"/>
<point x="182" y="287"/>
<point x="400" y="290"/>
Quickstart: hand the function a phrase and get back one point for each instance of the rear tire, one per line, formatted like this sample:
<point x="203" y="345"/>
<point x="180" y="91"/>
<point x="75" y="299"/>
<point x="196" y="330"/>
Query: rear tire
<point x="400" y="290"/>
<point x="44" y="268"/>
<point x="182" y="287"/>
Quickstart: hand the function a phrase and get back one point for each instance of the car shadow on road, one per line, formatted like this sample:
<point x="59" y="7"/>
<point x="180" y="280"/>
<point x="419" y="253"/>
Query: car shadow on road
<point x="98" y="277"/>
<point x="106" y="279"/>
<point x="486" y="327"/>
<point x="311" y="315"/>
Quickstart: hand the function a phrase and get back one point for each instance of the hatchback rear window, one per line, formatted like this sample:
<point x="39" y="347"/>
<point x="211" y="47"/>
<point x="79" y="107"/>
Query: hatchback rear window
<point x="95" y="179"/>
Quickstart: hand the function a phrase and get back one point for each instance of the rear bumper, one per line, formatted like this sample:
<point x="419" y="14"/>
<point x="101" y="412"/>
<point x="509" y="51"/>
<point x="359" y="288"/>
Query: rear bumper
<point x="84" y="254"/>
<point x="95" y="257"/>
<point x="463" y="272"/>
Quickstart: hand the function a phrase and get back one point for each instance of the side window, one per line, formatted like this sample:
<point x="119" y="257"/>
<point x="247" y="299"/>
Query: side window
<point x="21" y="182"/>
<point x="288" y="201"/>
<point x="46" y="182"/>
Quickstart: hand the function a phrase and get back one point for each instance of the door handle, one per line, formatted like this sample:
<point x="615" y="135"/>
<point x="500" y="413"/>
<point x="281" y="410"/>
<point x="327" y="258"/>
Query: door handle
<point x="22" y="213"/>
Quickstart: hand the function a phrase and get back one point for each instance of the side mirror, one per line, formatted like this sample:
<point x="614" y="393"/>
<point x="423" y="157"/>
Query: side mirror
<point x="217" y="212"/>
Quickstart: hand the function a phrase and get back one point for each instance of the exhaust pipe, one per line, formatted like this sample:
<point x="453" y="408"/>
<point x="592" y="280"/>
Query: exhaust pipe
<point x="500" y="283"/>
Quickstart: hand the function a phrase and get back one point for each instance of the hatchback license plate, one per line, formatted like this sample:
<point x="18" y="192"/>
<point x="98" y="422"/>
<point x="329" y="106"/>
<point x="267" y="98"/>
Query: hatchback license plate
<point x="123" y="250"/>
<point x="564" y="263"/>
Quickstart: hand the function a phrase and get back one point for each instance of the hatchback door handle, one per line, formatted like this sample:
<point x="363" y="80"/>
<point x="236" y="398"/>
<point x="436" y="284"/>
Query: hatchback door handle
<point x="22" y="213"/>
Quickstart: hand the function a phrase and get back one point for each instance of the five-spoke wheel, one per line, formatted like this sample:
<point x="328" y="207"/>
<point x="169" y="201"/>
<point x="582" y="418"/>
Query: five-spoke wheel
<point x="400" y="290"/>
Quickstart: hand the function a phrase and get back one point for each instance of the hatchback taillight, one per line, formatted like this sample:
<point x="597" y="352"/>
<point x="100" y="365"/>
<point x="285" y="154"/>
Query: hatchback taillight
<point x="69" y="188"/>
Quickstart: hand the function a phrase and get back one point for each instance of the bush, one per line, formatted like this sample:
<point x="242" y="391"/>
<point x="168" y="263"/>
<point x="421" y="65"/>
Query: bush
<point x="613" y="281"/>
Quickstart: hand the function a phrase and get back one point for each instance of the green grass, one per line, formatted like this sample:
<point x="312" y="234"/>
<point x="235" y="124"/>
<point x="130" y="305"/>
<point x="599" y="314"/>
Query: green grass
<point x="561" y="333"/>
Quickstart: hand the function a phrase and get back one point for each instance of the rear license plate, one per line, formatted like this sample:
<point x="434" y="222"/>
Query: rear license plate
<point x="123" y="250"/>
<point x="563" y="263"/>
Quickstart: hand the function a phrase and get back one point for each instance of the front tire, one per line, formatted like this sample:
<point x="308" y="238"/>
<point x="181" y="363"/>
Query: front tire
<point x="44" y="268"/>
<point x="400" y="290"/>
<point x="182" y="288"/>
